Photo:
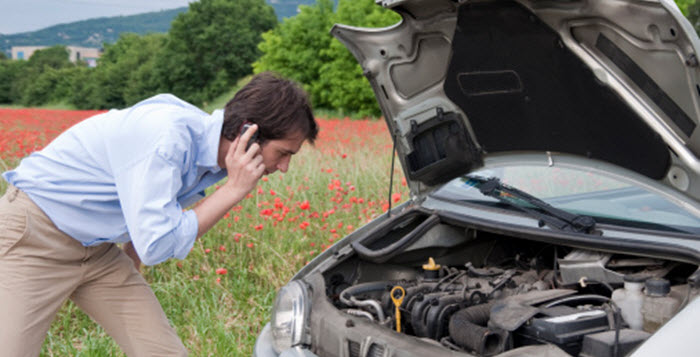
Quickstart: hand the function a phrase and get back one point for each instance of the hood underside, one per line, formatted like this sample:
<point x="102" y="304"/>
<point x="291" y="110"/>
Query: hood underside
<point x="608" y="80"/>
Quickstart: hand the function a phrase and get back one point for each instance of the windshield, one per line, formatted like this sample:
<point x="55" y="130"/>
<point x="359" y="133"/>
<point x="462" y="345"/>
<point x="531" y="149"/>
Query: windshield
<point x="607" y="199"/>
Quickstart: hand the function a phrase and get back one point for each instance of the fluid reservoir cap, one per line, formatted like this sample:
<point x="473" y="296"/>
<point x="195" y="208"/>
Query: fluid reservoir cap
<point x="431" y="266"/>
<point x="634" y="278"/>
<point x="657" y="287"/>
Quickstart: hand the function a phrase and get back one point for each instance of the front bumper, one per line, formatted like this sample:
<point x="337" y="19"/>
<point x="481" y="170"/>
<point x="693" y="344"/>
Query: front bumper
<point x="263" y="347"/>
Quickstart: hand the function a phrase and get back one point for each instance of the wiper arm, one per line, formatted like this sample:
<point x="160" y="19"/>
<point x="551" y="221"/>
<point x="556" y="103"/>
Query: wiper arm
<point x="550" y="216"/>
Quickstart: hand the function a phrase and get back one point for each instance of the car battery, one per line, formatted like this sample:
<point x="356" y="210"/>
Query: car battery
<point x="603" y="344"/>
<point x="563" y="326"/>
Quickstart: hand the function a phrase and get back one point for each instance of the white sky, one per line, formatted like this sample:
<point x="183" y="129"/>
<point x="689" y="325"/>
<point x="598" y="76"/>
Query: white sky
<point x="30" y="15"/>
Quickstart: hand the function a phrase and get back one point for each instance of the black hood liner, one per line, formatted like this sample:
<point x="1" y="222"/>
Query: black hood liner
<point x="522" y="89"/>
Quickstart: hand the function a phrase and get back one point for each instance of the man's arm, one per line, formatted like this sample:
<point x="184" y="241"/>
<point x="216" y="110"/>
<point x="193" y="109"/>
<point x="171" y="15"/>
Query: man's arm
<point x="244" y="170"/>
<point x="150" y="208"/>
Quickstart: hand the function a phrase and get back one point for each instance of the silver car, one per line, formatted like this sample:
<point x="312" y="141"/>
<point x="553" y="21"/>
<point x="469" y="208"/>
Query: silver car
<point x="551" y="149"/>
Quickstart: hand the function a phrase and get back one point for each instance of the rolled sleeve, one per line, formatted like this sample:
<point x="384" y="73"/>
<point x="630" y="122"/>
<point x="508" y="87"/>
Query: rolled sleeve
<point x="188" y="227"/>
<point x="158" y="227"/>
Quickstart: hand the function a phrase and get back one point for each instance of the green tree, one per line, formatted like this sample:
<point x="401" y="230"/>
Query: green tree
<point x="303" y="48"/>
<point x="295" y="48"/>
<point x="10" y="74"/>
<point x="84" y="89"/>
<point x="54" y="57"/>
<point x="42" y="88"/>
<point x="341" y="81"/>
<point x="694" y="15"/>
<point x="212" y="45"/>
<point x="684" y="5"/>
<point x="38" y="78"/>
<point x="126" y="73"/>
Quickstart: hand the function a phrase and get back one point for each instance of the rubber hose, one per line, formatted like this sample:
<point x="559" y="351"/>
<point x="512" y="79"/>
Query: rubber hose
<point x="467" y="329"/>
<point x="347" y="296"/>
<point x="363" y="288"/>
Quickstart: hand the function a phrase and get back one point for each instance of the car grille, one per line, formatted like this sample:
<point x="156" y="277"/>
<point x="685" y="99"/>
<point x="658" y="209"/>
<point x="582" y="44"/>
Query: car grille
<point x="375" y="350"/>
<point x="354" y="349"/>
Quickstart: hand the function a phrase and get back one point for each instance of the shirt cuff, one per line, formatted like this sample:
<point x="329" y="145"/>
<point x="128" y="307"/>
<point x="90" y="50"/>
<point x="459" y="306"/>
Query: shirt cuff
<point x="188" y="228"/>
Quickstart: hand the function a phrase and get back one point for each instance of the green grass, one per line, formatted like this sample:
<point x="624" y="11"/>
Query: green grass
<point x="224" y="318"/>
<point x="56" y="105"/>
<point x="220" y="101"/>
<point x="216" y="103"/>
<point x="334" y="113"/>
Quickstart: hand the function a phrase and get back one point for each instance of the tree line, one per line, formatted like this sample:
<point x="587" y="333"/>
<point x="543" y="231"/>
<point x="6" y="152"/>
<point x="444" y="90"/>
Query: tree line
<point x="208" y="50"/>
<point x="92" y="32"/>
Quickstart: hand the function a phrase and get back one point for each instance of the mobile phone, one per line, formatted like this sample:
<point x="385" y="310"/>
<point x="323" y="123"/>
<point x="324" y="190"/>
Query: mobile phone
<point x="253" y="138"/>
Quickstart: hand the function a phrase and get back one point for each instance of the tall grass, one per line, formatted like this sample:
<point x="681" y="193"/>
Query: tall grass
<point x="53" y="105"/>
<point x="344" y="178"/>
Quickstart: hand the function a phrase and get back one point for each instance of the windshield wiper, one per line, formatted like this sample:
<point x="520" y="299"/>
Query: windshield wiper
<point x="547" y="214"/>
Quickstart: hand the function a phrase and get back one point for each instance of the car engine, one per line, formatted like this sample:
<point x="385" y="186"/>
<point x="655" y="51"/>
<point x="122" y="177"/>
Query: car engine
<point x="485" y="293"/>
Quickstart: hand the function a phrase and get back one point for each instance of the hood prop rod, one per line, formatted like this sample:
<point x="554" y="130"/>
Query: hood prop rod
<point x="391" y="175"/>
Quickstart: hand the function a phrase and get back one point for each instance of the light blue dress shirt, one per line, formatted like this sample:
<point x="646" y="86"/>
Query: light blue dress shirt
<point x="127" y="175"/>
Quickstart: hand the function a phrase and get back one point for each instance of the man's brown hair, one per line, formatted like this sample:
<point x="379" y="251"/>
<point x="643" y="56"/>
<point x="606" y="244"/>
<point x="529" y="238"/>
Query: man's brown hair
<point x="280" y="108"/>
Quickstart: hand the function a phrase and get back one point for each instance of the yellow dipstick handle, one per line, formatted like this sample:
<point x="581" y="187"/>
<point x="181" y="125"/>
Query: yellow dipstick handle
<point x="397" y="295"/>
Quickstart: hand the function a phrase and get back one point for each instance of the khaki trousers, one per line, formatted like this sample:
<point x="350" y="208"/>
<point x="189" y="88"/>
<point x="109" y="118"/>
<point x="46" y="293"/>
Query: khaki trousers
<point x="41" y="267"/>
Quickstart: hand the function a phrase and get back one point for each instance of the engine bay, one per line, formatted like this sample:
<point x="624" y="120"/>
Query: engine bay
<point x="484" y="293"/>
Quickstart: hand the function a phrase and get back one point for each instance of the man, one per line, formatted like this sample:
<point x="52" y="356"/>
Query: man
<point x="126" y="176"/>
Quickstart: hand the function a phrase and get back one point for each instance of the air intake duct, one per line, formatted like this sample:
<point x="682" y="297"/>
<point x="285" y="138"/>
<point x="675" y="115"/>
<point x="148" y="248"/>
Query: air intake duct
<point x="468" y="329"/>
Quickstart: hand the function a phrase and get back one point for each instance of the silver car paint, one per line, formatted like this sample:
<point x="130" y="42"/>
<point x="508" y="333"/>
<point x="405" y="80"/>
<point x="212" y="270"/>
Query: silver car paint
<point x="654" y="33"/>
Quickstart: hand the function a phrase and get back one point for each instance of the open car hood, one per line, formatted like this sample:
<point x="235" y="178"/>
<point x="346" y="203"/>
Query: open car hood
<point x="610" y="80"/>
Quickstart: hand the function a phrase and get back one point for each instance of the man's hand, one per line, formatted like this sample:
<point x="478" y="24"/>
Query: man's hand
<point x="244" y="169"/>
<point x="131" y="253"/>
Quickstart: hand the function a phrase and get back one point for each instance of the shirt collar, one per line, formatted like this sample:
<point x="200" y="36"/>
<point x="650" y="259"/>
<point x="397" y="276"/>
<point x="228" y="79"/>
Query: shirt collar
<point x="208" y="153"/>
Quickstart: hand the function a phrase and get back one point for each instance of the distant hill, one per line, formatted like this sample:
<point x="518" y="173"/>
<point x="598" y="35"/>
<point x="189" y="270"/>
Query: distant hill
<point x="95" y="32"/>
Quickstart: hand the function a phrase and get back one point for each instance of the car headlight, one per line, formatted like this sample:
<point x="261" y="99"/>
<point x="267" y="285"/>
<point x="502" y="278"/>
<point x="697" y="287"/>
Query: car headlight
<point x="289" y="316"/>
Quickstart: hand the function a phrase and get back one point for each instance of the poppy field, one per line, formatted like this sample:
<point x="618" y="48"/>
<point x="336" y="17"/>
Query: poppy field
<point x="220" y="296"/>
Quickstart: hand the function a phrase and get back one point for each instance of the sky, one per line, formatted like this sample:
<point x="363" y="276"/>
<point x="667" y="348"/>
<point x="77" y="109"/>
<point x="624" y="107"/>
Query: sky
<point x="30" y="15"/>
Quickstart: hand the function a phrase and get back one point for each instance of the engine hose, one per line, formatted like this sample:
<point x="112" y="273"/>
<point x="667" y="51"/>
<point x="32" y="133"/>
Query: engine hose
<point x="347" y="297"/>
<point x="373" y="303"/>
<point x="361" y="313"/>
<point x="437" y="317"/>
<point x="467" y="329"/>
<point x="381" y="255"/>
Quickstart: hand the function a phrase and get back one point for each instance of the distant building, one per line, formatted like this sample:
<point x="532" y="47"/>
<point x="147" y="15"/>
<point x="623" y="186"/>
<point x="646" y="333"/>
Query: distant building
<point x="75" y="54"/>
